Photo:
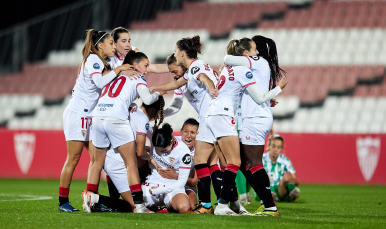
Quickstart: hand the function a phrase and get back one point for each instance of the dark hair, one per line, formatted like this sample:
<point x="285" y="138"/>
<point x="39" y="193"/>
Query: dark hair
<point x="237" y="47"/>
<point x="190" y="121"/>
<point x="93" y="38"/>
<point x="267" y="50"/>
<point x="115" y="33"/>
<point x="191" y="46"/>
<point x="162" y="137"/>
<point x="133" y="56"/>
<point x="159" y="110"/>
<point x="171" y="59"/>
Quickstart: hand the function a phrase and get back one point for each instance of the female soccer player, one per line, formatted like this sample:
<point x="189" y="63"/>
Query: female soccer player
<point x="168" y="152"/>
<point x="257" y="118"/>
<point x="110" y="125"/>
<point x="200" y="80"/>
<point x="77" y="116"/>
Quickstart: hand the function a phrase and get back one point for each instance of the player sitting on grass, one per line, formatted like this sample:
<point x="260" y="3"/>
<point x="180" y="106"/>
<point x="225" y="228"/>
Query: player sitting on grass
<point x="281" y="172"/>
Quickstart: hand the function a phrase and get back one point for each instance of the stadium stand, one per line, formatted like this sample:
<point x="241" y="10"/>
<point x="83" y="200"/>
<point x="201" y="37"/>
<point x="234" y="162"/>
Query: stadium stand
<point x="334" y="53"/>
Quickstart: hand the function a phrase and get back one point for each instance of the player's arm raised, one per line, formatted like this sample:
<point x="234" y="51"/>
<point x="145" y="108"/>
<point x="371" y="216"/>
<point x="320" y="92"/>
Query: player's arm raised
<point x="170" y="86"/>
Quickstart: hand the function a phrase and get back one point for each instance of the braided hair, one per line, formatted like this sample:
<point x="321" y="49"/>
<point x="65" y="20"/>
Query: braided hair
<point x="267" y="50"/>
<point x="158" y="108"/>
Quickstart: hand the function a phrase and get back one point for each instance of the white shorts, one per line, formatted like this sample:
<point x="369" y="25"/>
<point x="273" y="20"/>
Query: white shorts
<point x="221" y="125"/>
<point x="254" y="130"/>
<point x="118" y="173"/>
<point x="76" y="127"/>
<point x="106" y="132"/>
<point x="204" y="133"/>
<point x="159" y="200"/>
<point x="193" y="189"/>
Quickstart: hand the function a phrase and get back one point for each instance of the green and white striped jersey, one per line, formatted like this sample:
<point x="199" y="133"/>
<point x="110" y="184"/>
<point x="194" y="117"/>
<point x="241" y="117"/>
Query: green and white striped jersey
<point x="276" y="170"/>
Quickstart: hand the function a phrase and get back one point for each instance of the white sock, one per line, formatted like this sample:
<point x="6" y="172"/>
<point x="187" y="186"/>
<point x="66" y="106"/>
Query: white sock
<point x="94" y="198"/>
<point x="274" y="208"/>
<point x="222" y="205"/>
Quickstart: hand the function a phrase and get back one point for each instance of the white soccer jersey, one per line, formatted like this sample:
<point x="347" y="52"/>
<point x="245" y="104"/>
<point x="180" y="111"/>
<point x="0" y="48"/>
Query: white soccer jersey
<point x="117" y="97"/>
<point x="261" y="72"/>
<point x="116" y="61"/>
<point x="198" y="93"/>
<point x="179" y="158"/>
<point x="276" y="170"/>
<point x="85" y="93"/>
<point x="139" y="123"/>
<point x="231" y="84"/>
<point x="192" y="151"/>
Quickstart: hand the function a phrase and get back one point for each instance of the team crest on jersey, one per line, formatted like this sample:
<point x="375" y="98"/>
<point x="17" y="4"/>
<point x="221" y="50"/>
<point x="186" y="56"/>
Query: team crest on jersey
<point x="143" y="77"/>
<point x="249" y="75"/>
<point x="96" y="66"/>
<point x="24" y="144"/>
<point x="195" y="70"/>
<point x="172" y="160"/>
<point x="147" y="126"/>
<point x="187" y="159"/>
<point x="368" y="151"/>
<point x="84" y="133"/>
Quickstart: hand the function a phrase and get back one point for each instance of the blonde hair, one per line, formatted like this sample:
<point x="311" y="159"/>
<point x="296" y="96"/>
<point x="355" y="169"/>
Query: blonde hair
<point x="236" y="47"/>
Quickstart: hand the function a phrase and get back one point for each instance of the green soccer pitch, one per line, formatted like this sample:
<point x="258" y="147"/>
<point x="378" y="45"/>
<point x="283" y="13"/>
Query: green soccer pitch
<point x="34" y="204"/>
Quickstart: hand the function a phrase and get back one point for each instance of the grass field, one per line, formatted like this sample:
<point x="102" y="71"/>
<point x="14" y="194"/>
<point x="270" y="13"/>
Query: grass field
<point x="318" y="207"/>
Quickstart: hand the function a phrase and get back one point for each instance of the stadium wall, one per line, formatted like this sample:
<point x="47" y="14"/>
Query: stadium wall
<point x="317" y="158"/>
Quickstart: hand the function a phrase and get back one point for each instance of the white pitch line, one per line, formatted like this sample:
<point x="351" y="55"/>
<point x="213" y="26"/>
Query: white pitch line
<point x="30" y="197"/>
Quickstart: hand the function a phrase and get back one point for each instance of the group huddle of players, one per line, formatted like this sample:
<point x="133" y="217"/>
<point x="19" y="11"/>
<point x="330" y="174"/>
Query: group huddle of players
<point x="102" y="117"/>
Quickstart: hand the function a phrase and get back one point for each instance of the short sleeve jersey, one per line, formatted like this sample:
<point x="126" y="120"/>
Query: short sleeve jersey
<point x="117" y="97"/>
<point x="178" y="158"/>
<point x="276" y="170"/>
<point x="262" y="73"/>
<point x="192" y="151"/>
<point x="198" y="93"/>
<point x="116" y="61"/>
<point x="140" y="124"/>
<point x="85" y="93"/>
<point x="231" y="84"/>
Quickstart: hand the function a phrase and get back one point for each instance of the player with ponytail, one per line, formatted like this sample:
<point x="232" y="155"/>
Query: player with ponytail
<point x="98" y="47"/>
<point x="256" y="112"/>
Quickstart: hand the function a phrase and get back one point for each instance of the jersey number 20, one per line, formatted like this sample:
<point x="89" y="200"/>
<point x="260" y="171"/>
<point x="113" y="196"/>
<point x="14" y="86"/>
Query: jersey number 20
<point x="117" y="91"/>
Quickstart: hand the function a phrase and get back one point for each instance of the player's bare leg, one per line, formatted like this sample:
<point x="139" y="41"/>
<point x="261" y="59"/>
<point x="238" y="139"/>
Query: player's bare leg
<point x="287" y="185"/>
<point x="95" y="169"/>
<point x="91" y="151"/>
<point x="127" y="196"/>
<point x="180" y="203"/>
<point x="192" y="199"/>
<point x="201" y="157"/>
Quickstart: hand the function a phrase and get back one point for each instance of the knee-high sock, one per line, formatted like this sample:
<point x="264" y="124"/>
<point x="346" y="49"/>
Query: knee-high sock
<point x="228" y="182"/>
<point x="203" y="184"/>
<point x="136" y="193"/>
<point x="216" y="176"/>
<point x="262" y="181"/>
<point x="113" y="191"/>
<point x="116" y="204"/>
<point x="63" y="195"/>
<point x="248" y="175"/>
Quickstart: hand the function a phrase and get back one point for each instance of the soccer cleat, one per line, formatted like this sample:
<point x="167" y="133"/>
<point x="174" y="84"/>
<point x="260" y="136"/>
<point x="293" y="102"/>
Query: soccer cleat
<point x="268" y="213"/>
<point x="224" y="211"/>
<point x="88" y="205"/>
<point x="140" y="208"/>
<point x="203" y="210"/>
<point x="163" y="210"/>
<point x="260" y="209"/>
<point x="242" y="211"/>
<point x="102" y="208"/>
<point x="67" y="208"/>
<point x="294" y="194"/>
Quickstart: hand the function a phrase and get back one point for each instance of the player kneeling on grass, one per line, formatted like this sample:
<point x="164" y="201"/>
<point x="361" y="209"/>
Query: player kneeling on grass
<point x="281" y="172"/>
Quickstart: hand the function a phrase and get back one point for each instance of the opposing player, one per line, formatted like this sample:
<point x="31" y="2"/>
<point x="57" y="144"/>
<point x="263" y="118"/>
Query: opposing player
<point x="111" y="125"/>
<point x="257" y="117"/>
<point x="168" y="152"/>
<point x="281" y="172"/>
<point x="200" y="87"/>
<point x="77" y="116"/>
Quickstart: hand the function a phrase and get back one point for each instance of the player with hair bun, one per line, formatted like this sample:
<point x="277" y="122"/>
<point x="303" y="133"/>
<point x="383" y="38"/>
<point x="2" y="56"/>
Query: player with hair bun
<point x="98" y="47"/>
<point x="256" y="115"/>
<point x="112" y="127"/>
<point x="200" y="87"/>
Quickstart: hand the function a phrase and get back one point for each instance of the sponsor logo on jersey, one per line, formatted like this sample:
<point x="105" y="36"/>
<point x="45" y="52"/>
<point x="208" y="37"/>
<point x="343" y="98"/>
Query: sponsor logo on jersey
<point x="249" y="75"/>
<point x="171" y="160"/>
<point x="255" y="57"/>
<point x="368" y="151"/>
<point x="96" y="66"/>
<point x="195" y="70"/>
<point x="194" y="92"/>
<point x="24" y="144"/>
<point x="143" y="77"/>
<point x="186" y="159"/>
<point x="147" y="126"/>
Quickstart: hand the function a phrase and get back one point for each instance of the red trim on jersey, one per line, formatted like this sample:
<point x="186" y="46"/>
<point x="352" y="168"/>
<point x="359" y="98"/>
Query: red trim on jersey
<point x="94" y="73"/>
<point x="176" y="142"/>
<point x="193" y="61"/>
<point x="140" y="84"/>
<point x="250" y="62"/>
<point x="177" y="93"/>
<point x="140" y="133"/>
<point x="184" y="77"/>
<point x="232" y="168"/>
<point x="246" y="85"/>
<point x="199" y="75"/>
<point x="184" y="167"/>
